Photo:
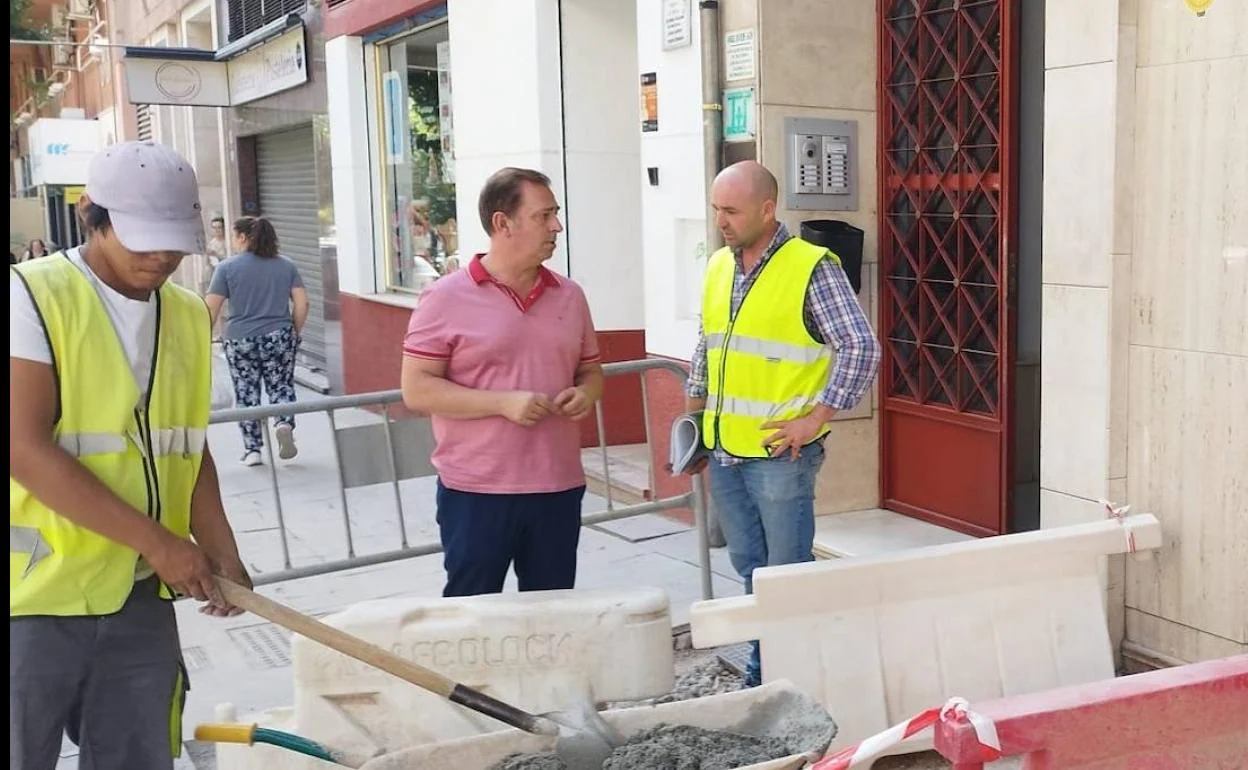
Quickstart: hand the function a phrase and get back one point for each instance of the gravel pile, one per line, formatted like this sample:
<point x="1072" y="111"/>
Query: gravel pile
<point x="699" y="673"/>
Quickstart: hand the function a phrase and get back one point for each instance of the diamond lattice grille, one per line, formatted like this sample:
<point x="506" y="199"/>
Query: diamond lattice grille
<point x="940" y="240"/>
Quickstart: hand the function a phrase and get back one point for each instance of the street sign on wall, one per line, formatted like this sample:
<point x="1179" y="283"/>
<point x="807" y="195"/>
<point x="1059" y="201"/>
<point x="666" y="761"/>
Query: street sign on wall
<point x="61" y="150"/>
<point x="677" y="24"/>
<point x="739" y="115"/>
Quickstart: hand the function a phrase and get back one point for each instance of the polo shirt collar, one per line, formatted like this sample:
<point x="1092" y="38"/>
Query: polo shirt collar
<point x="480" y="275"/>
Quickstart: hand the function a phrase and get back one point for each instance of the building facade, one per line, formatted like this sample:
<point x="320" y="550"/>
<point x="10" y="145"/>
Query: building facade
<point x="420" y="117"/>
<point x="63" y="92"/>
<point x="1049" y="197"/>
<point x="239" y="87"/>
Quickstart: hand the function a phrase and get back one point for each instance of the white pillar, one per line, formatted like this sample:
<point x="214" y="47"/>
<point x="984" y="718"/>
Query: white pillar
<point x="353" y="192"/>
<point x="507" y="102"/>
<point x="602" y="132"/>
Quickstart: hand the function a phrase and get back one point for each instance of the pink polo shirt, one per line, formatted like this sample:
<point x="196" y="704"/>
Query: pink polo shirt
<point x="493" y="339"/>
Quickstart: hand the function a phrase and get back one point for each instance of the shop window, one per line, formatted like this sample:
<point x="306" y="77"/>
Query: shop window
<point x="417" y="154"/>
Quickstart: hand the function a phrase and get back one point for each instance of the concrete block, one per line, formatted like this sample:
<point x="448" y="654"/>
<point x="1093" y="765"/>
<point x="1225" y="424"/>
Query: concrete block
<point x="537" y="650"/>
<point x="878" y="639"/>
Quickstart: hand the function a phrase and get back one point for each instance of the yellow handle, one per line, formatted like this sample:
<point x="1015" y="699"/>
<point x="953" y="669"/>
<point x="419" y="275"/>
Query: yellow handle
<point x="225" y="733"/>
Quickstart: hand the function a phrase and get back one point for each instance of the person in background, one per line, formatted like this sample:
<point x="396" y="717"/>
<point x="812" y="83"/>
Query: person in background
<point x="503" y="355"/>
<point x="35" y="249"/>
<point x="268" y="307"/>
<point x="774" y="310"/>
<point x="216" y="251"/>
<point x="114" y="502"/>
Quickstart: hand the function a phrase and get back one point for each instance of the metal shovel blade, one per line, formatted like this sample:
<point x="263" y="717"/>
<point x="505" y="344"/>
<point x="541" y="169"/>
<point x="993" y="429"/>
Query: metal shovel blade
<point x="585" y="740"/>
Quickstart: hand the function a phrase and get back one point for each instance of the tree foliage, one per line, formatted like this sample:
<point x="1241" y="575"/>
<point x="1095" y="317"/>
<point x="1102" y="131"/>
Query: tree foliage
<point x="21" y="26"/>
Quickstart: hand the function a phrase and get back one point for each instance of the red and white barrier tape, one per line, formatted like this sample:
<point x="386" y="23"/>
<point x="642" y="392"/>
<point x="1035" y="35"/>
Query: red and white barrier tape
<point x="1119" y="512"/>
<point x="956" y="709"/>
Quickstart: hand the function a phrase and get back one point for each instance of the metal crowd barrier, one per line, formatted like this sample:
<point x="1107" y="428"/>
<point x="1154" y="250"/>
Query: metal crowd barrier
<point x="396" y="450"/>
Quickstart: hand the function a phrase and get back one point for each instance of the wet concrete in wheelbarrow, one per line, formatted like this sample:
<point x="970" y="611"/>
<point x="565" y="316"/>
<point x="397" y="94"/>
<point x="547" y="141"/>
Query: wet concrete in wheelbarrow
<point x="682" y="747"/>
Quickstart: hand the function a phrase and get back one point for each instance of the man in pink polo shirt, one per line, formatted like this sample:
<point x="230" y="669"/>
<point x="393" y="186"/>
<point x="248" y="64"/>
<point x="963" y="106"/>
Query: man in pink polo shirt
<point x="503" y="355"/>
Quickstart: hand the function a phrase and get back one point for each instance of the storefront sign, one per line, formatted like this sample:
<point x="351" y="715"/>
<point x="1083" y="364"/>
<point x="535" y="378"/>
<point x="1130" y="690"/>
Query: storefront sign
<point x="677" y="24"/>
<point x="739" y="115"/>
<point x="394" y="112"/>
<point x="176" y="81"/>
<point x="278" y="65"/>
<point x="61" y="150"/>
<point x="194" y="78"/>
<point x="649" y="103"/>
<point x="739" y="55"/>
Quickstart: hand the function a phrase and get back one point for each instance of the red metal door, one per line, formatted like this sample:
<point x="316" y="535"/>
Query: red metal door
<point x="948" y="81"/>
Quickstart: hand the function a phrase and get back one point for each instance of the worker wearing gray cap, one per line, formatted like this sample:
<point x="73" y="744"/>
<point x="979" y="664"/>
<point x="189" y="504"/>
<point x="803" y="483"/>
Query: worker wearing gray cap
<point x="110" y="476"/>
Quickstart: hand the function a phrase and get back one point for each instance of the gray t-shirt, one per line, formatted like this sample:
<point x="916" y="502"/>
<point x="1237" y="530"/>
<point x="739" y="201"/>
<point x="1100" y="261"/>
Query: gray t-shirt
<point x="258" y="289"/>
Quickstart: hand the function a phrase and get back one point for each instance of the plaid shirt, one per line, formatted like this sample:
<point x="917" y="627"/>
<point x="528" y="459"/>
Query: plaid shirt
<point x="832" y="315"/>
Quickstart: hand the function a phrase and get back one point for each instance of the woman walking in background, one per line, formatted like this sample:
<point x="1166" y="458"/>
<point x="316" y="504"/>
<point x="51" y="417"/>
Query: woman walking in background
<point x="268" y="307"/>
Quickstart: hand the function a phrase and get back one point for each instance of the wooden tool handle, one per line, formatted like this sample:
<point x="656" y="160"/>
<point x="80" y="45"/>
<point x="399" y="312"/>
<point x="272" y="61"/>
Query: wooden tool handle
<point x="335" y="639"/>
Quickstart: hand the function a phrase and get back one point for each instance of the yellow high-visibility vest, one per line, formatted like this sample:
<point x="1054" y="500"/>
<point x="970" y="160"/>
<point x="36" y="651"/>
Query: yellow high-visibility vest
<point x="762" y="364"/>
<point x="148" y="451"/>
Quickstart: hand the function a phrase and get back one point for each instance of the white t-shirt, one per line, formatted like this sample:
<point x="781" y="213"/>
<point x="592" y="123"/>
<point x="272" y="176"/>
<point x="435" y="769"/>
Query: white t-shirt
<point x="133" y="320"/>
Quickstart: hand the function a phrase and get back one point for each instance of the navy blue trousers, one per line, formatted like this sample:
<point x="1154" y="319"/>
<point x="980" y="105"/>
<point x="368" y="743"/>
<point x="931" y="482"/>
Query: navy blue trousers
<point x="485" y="534"/>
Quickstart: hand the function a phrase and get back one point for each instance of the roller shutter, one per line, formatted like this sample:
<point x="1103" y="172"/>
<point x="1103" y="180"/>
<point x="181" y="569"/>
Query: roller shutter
<point x="286" y="167"/>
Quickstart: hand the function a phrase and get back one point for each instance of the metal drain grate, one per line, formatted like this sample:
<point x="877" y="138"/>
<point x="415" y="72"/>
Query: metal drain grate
<point x="195" y="659"/>
<point x="265" y="646"/>
<point x="736" y="657"/>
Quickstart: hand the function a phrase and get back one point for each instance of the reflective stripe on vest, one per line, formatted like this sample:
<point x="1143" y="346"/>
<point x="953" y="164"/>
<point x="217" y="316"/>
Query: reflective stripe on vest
<point x="165" y="441"/>
<point x="86" y="444"/>
<point x="147" y="448"/>
<point x="178" y="441"/>
<point x="763" y="365"/>
<point x="29" y="541"/>
<point x="759" y="410"/>
<point x="770" y="349"/>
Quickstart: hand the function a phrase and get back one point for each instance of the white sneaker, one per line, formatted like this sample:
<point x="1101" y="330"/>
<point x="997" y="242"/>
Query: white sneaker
<point x="286" y="448"/>
<point x="251" y="459"/>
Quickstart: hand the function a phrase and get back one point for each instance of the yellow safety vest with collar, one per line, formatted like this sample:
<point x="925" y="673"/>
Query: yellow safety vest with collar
<point x="762" y="363"/>
<point x="146" y="450"/>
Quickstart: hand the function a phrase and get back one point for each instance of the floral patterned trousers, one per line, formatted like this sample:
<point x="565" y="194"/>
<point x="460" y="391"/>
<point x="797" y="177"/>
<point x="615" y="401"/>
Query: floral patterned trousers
<point x="268" y="359"/>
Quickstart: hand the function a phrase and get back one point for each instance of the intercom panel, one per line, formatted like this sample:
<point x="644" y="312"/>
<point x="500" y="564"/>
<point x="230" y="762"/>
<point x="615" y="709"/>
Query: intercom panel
<point x="821" y="164"/>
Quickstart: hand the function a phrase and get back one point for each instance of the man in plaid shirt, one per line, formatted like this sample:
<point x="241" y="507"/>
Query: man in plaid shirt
<point x="764" y="495"/>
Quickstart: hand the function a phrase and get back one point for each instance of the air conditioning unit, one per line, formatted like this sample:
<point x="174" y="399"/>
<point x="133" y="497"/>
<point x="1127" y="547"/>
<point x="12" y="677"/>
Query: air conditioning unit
<point x="60" y="17"/>
<point x="82" y="9"/>
<point x="63" y="57"/>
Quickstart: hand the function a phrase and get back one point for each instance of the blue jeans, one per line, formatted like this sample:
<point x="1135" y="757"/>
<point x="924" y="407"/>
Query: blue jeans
<point x="767" y="511"/>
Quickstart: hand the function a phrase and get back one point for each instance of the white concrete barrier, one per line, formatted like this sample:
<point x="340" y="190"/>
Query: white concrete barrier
<point x="879" y="639"/>
<point x="537" y="650"/>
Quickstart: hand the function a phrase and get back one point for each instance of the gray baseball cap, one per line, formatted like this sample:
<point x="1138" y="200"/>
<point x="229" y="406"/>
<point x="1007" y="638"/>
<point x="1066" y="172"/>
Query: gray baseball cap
<point x="151" y="195"/>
